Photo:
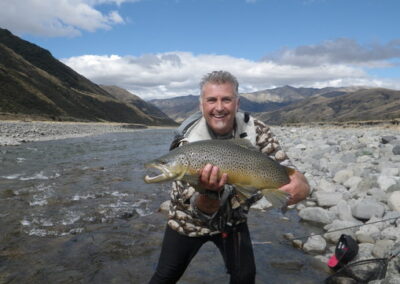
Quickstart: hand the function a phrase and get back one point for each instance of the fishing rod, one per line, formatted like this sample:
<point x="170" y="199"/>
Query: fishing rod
<point x="291" y="238"/>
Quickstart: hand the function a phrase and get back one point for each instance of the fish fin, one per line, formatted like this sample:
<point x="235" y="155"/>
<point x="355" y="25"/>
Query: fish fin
<point x="278" y="198"/>
<point x="245" y="190"/>
<point x="245" y="143"/>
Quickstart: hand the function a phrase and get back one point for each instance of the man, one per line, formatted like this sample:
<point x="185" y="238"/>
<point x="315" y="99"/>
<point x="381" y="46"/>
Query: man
<point x="216" y="214"/>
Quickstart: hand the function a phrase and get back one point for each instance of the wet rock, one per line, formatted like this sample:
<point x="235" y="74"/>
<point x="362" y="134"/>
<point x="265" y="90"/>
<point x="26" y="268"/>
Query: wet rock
<point x="164" y="207"/>
<point x="297" y="244"/>
<point x="262" y="204"/>
<point x="315" y="244"/>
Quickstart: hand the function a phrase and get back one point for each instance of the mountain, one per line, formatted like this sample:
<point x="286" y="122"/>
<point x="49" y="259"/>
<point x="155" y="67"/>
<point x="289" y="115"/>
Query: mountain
<point x="34" y="84"/>
<point x="293" y="105"/>
<point x="178" y="108"/>
<point x="148" y="110"/>
<point x="289" y="94"/>
<point x="361" y="105"/>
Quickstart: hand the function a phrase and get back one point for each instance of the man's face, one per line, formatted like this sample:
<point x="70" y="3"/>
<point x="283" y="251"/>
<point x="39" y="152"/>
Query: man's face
<point x="219" y="105"/>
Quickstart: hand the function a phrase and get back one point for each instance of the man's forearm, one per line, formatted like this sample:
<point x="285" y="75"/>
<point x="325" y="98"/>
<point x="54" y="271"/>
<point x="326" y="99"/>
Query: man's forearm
<point x="207" y="204"/>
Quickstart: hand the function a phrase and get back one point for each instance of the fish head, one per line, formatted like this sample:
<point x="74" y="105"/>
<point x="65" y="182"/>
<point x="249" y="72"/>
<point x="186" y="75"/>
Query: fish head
<point x="172" y="167"/>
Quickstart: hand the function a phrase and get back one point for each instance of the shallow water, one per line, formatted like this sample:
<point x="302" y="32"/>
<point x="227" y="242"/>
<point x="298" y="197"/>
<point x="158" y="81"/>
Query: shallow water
<point x="77" y="211"/>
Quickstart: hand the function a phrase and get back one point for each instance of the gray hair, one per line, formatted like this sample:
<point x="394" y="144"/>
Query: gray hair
<point x="220" y="77"/>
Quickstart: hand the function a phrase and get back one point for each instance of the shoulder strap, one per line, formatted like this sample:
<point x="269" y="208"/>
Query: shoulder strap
<point x="182" y="129"/>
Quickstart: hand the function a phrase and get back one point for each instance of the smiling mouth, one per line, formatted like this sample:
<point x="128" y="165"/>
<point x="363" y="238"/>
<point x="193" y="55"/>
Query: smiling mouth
<point x="218" y="116"/>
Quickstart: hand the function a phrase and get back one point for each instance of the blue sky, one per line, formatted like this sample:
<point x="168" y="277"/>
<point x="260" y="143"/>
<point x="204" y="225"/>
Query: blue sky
<point x="161" y="48"/>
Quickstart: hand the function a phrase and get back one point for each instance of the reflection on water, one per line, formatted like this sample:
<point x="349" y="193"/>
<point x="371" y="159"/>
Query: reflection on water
<point x="77" y="211"/>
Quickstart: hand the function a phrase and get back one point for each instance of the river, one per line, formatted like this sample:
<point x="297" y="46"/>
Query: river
<point x="77" y="211"/>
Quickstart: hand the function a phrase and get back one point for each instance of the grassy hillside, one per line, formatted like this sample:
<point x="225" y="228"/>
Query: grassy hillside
<point x="35" y="84"/>
<point x="368" y="104"/>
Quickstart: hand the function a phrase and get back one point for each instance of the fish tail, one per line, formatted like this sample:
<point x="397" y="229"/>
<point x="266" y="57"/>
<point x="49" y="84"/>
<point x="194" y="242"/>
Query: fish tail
<point x="278" y="198"/>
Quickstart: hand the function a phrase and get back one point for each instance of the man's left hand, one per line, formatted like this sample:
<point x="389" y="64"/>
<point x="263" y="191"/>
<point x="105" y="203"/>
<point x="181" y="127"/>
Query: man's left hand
<point x="298" y="188"/>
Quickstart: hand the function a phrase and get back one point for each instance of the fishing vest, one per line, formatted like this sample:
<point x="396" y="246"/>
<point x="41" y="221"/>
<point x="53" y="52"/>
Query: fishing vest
<point x="195" y="128"/>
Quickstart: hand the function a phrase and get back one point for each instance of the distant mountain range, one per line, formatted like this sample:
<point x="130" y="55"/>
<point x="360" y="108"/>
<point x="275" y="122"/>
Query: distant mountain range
<point x="301" y="105"/>
<point x="361" y="105"/>
<point x="33" y="84"/>
<point x="295" y="105"/>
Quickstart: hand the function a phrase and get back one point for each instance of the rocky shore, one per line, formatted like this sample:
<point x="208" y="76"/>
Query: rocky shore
<point x="354" y="174"/>
<point x="17" y="132"/>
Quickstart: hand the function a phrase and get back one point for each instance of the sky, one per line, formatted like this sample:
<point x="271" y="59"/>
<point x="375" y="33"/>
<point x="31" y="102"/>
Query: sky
<point x="162" y="48"/>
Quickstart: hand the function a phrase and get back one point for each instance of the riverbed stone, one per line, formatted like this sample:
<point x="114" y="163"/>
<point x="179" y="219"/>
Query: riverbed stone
<point x="396" y="150"/>
<point x="388" y="139"/>
<point x="382" y="248"/>
<point x="394" y="201"/>
<point x="385" y="181"/>
<point x="391" y="233"/>
<point x="343" y="175"/>
<point x="367" y="208"/>
<point x="390" y="171"/>
<point x="338" y="227"/>
<point x="364" y="251"/>
<point x="343" y="210"/>
<point x="262" y="204"/>
<point x="164" y="207"/>
<point x="317" y="215"/>
<point x="326" y="186"/>
<point x="353" y="182"/>
<point x="368" y="234"/>
<point x="315" y="244"/>
<point x="328" y="199"/>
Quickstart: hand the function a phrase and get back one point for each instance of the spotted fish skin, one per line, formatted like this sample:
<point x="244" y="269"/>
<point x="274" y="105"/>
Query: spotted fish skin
<point x="247" y="168"/>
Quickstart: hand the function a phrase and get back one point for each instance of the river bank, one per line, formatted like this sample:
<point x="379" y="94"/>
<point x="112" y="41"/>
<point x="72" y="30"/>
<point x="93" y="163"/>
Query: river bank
<point x="16" y="132"/>
<point x="354" y="173"/>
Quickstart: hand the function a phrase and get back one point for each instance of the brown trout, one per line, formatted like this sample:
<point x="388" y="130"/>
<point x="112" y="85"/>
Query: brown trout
<point x="248" y="169"/>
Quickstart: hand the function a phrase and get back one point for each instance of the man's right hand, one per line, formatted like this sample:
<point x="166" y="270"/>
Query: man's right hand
<point x="208" y="178"/>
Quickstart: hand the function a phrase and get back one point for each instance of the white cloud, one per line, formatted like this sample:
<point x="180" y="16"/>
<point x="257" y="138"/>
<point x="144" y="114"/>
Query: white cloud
<point x="341" y="50"/>
<point x="178" y="73"/>
<point x="57" y="17"/>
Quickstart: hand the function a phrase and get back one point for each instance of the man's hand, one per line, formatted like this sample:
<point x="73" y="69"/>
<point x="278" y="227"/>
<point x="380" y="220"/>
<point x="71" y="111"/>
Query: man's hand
<point x="208" y="179"/>
<point x="298" y="188"/>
